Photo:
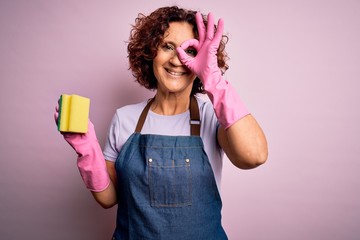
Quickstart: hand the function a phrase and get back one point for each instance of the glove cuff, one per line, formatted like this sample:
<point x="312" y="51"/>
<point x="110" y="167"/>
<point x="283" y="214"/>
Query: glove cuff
<point x="92" y="168"/>
<point x="228" y="105"/>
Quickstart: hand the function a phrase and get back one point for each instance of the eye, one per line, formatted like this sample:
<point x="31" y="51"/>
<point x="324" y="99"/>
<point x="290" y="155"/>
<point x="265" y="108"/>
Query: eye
<point x="191" y="52"/>
<point x="168" y="47"/>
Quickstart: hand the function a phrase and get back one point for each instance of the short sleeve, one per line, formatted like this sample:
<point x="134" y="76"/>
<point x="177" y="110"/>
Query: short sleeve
<point x="111" y="149"/>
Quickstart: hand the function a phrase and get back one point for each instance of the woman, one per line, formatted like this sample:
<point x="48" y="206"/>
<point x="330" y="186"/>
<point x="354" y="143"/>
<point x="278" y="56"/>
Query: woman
<point x="164" y="156"/>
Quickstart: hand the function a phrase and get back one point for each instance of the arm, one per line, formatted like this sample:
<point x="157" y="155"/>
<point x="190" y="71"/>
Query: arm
<point x="239" y="135"/>
<point x="98" y="175"/>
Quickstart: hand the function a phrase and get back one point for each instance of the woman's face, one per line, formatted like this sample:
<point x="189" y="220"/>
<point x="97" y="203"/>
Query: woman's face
<point x="172" y="76"/>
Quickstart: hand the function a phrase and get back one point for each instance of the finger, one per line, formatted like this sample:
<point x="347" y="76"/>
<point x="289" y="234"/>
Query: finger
<point x="184" y="57"/>
<point x="210" y="26"/>
<point x="190" y="43"/>
<point x="219" y="32"/>
<point x="56" y="116"/>
<point x="201" y="26"/>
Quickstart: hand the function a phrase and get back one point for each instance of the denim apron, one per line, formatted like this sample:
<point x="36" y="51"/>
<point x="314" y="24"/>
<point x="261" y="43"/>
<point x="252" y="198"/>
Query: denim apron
<point x="166" y="186"/>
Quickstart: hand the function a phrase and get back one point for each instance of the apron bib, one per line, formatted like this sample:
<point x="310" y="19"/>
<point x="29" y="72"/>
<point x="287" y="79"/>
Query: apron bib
<point x="166" y="186"/>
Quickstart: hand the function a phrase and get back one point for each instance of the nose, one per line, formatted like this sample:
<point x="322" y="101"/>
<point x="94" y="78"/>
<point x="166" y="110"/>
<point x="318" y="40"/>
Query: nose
<point x="174" y="60"/>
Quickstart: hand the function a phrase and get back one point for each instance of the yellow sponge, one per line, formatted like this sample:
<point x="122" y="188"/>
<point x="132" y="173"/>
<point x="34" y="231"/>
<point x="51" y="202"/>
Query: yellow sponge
<point x="73" y="113"/>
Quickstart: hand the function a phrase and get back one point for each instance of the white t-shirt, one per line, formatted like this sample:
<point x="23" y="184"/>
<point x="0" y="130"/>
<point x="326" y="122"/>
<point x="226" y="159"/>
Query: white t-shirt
<point x="125" y="119"/>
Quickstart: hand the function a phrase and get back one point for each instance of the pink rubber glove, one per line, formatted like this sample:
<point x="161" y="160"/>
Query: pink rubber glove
<point x="91" y="162"/>
<point x="227" y="104"/>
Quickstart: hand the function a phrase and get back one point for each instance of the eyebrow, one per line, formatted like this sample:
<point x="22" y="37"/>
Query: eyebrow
<point x="169" y="42"/>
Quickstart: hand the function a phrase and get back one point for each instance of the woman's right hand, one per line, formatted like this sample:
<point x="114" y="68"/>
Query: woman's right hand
<point x="91" y="162"/>
<point x="77" y="140"/>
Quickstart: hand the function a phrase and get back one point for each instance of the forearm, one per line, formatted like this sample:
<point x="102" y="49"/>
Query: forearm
<point x="106" y="198"/>
<point x="244" y="143"/>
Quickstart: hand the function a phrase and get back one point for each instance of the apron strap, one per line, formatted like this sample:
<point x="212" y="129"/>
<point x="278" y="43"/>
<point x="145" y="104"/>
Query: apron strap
<point x="194" y="117"/>
<point x="143" y="115"/>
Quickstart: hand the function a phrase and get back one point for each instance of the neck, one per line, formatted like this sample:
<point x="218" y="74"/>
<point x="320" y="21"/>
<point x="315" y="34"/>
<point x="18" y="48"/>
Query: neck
<point x="170" y="104"/>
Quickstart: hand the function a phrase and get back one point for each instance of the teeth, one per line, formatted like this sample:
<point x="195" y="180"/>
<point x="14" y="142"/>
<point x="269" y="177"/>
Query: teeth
<point x="176" y="73"/>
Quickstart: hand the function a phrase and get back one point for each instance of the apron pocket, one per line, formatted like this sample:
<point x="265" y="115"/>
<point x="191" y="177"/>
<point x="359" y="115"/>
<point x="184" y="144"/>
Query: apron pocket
<point x="169" y="182"/>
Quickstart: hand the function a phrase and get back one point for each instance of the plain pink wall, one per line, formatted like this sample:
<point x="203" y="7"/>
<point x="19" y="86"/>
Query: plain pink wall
<point x="295" y="63"/>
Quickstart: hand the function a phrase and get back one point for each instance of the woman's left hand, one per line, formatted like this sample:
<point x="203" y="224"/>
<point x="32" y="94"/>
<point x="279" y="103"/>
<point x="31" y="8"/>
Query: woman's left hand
<point x="204" y="64"/>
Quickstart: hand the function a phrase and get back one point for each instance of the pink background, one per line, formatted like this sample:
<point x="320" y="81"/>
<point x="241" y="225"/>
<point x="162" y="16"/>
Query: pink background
<point x="296" y="64"/>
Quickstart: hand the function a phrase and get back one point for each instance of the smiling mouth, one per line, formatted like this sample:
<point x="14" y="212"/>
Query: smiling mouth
<point x="175" y="73"/>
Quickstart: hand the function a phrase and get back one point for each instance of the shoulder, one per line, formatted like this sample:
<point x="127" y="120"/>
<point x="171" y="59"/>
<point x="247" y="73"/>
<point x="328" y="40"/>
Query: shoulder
<point x="131" y="108"/>
<point x="127" y="116"/>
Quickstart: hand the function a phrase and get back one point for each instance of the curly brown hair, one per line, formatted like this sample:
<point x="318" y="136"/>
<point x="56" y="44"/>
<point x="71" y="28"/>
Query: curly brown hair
<point x="148" y="33"/>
